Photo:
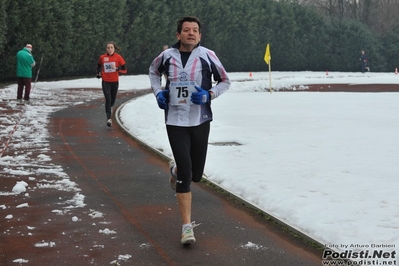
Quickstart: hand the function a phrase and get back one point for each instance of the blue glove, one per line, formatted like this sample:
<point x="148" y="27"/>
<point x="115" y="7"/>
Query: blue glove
<point x="162" y="99"/>
<point x="201" y="97"/>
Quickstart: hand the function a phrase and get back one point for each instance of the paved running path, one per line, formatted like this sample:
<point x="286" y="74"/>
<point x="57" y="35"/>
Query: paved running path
<point x="130" y="183"/>
<point x="130" y="215"/>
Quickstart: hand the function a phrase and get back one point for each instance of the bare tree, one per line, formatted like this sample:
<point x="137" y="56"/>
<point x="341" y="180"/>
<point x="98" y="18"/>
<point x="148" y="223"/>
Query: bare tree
<point x="385" y="15"/>
<point x="380" y="15"/>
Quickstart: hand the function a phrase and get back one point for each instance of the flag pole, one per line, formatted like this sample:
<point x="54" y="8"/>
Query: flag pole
<point x="270" y="76"/>
<point x="268" y="60"/>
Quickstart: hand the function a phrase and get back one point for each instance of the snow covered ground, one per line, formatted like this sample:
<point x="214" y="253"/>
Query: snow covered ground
<point x="324" y="163"/>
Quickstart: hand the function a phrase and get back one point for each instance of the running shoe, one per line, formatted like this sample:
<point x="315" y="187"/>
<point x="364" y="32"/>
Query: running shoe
<point x="109" y="122"/>
<point x="173" y="175"/>
<point x="187" y="237"/>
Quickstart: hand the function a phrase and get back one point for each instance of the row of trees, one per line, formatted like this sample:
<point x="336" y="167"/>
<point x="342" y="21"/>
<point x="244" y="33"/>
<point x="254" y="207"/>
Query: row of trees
<point x="379" y="15"/>
<point x="71" y="35"/>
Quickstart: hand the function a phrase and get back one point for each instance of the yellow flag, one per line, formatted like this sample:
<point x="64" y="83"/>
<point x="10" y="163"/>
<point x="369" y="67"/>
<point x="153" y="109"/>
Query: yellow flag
<point x="268" y="57"/>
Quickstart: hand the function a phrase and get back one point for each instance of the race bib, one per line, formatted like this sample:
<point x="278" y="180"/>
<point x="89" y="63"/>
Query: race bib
<point x="109" y="67"/>
<point x="180" y="92"/>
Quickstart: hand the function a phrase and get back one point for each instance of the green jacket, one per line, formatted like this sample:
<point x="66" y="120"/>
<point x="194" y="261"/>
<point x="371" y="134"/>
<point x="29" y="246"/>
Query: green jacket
<point x="25" y="62"/>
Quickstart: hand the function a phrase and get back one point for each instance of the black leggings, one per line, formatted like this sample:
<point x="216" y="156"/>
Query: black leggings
<point x="189" y="146"/>
<point x="110" y="89"/>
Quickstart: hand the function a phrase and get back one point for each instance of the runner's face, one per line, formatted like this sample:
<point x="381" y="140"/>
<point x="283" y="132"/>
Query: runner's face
<point x="110" y="49"/>
<point x="189" y="36"/>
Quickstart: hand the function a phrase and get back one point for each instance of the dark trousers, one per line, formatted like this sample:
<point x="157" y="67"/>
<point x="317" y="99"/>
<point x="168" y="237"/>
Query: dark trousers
<point x="24" y="82"/>
<point x="189" y="146"/>
<point x="363" y="67"/>
<point x="110" y="90"/>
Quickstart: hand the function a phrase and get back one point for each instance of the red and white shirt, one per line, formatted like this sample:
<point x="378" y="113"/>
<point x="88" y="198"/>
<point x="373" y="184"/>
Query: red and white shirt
<point x="110" y="67"/>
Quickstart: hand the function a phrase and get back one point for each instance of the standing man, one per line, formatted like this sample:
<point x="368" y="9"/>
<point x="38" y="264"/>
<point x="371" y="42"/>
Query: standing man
<point x="186" y="100"/>
<point x="364" y="61"/>
<point x="25" y="62"/>
<point x="109" y="66"/>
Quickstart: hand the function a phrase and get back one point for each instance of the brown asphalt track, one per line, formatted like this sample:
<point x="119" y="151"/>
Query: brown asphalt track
<point x="128" y="184"/>
<point x="354" y="87"/>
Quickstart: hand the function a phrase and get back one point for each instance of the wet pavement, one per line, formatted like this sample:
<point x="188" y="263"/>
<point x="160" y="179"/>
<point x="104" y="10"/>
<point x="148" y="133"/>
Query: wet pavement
<point x="104" y="199"/>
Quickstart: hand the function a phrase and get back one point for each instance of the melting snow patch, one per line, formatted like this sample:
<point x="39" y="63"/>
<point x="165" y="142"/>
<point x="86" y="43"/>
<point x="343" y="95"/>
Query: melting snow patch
<point x="23" y="205"/>
<point x="20" y="261"/>
<point x="95" y="214"/>
<point x="145" y="245"/>
<point x="67" y="183"/>
<point x="58" y="212"/>
<point x="120" y="257"/>
<point x="63" y="185"/>
<point x="106" y="231"/>
<point x="77" y="201"/>
<point x="20" y="187"/>
<point x="124" y="257"/>
<point x="19" y="172"/>
<point x="9" y="216"/>
<point x="253" y="246"/>
<point x="6" y="193"/>
<point x="44" y="157"/>
<point x="45" y="244"/>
